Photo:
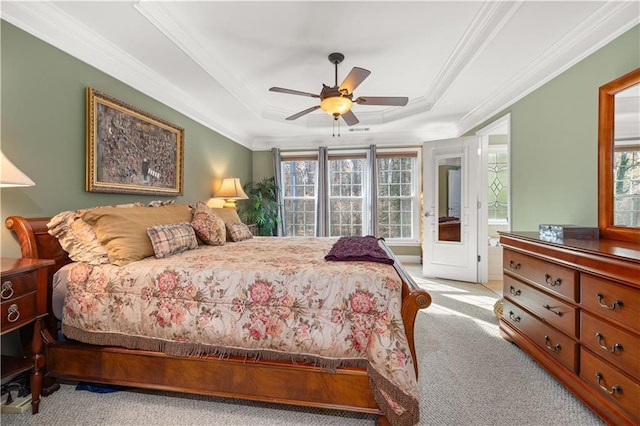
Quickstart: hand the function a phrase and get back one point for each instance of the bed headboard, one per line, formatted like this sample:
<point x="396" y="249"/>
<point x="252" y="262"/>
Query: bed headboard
<point x="35" y="241"/>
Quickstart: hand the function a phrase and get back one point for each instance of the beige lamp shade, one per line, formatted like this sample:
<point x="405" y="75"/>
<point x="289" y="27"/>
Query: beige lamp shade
<point x="231" y="190"/>
<point x="11" y="175"/>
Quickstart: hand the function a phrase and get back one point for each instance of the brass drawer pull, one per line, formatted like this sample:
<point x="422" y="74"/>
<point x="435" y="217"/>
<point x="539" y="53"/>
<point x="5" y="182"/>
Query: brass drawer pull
<point x="7" y="290"/>
<point x="548" y="308"/>
<point x="613" y="390"/>
<point x="604" y="305"/>
<point x="514" y="292"/>
<point x="514" y="265"/>
<point x="615" y="347"/>
<point x="513" y="317"/>
<point x="13" y="314"/>
<point x="550" y="280"/>
<point x="547" y="343"/>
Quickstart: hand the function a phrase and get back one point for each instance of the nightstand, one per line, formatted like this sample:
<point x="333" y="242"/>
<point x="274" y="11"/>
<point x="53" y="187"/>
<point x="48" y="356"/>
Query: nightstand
<point x="23" y="296"/>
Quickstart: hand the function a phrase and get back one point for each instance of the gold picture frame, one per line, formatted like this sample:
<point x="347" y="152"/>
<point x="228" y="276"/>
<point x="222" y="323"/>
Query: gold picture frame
<point x="130" y="151"/>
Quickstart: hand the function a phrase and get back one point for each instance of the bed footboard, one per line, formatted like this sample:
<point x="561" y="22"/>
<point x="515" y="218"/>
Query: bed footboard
<point x="414" y="298"/>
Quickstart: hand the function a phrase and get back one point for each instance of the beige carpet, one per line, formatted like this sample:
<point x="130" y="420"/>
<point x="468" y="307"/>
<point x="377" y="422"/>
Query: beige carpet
<point x="468" y="376"/>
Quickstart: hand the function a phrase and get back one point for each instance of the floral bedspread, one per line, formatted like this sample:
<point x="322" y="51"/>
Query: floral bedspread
<point x="263" y="298"/>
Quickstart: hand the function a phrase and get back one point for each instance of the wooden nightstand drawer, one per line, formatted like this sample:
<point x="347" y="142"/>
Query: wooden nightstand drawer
<point x="551" y="310"/>
<point x="620" y="347"/>
<point x="555" y="278"/>
<point x="561" y="347"/>
<point x="16" y="285"/>
<point x="19" y="311"/>
<point x="610" y="382"/>
<point x="608" y="299"/>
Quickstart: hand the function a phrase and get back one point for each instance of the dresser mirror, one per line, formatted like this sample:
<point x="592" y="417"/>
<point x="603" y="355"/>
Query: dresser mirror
<point x="619" y="158"/>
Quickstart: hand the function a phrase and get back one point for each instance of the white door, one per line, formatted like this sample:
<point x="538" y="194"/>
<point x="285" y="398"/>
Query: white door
<point x="451" y="178"/>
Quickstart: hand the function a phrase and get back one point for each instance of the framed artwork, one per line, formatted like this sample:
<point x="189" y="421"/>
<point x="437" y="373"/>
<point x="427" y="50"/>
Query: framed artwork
<point x="130" y="151"/>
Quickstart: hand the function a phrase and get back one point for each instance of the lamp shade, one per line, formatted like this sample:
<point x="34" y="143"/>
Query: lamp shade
<point x="11" y="175"/>
<point x="336" y="105"/>
<point x="231" y="190"/>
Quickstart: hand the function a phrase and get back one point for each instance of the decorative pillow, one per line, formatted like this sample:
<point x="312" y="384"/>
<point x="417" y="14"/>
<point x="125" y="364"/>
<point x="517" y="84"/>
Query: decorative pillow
<point x="171" y="239"/>
<point x="77" y="238"/>
<point x="124" y="233"/>
<point x="208" y="226"/>
<point x="238" y="231"/>
<point x="227" y="214"/>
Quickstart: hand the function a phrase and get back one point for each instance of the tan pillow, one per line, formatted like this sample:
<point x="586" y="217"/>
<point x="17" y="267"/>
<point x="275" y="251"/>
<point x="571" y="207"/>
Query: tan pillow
<point x="77" y="238"/>
<point x="124" y="231"/>
<point x="228" y="215"/>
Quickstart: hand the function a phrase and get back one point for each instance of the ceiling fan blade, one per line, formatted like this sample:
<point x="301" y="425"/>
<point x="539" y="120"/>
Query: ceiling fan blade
<point x="382" y="100"/>
<point x="293" y="92"/>
<point x="350" y="118"/>
<point x="354" y="78"/>
<point x="301" y="113"/>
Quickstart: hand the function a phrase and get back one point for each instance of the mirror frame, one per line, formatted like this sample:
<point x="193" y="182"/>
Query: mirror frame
<point x="605" y="159"/>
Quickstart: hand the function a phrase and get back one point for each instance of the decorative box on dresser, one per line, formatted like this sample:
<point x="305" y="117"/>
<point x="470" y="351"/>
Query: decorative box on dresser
<point x="24" y="304"/>
<point x="574" y="307"/>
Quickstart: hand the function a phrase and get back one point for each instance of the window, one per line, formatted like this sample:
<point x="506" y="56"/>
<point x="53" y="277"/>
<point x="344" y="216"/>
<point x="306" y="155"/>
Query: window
<point x="346" y="196"/>
<point x="350" y="206"/>
<point x="498" y="190"/>
<point x="299" y="176"/>
<point x="396" y="195"/>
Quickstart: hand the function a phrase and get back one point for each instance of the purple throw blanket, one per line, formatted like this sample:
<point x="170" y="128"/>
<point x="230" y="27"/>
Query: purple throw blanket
<point x="358" y="248"/>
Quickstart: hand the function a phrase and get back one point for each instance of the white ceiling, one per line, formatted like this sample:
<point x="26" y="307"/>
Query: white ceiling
<point x="459" y="62"/>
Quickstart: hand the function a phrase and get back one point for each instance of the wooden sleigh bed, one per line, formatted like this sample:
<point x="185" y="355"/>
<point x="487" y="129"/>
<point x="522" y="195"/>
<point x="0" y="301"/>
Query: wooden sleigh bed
<point x="267" y="380"/>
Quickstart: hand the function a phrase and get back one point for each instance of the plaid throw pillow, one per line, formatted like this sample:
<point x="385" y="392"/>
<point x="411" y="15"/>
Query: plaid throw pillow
<point x="208" y="225"/>
<point x="171" y="239"/>
<point x="238" y="231"/>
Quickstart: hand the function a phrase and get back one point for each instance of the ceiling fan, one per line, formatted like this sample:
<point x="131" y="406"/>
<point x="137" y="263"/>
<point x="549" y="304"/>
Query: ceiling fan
<point x="337" y="100"/>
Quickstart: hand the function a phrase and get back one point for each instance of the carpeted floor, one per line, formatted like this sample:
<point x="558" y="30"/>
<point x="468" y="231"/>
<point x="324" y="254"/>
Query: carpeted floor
<point x="468" y="376"/>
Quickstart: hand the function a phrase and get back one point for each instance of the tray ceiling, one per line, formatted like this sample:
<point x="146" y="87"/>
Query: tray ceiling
<point x="458" y="62"/>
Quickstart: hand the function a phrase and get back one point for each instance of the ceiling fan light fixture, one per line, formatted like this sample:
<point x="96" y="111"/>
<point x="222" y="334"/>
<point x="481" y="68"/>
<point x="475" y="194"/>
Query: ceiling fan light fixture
<point x="336" y="105"/>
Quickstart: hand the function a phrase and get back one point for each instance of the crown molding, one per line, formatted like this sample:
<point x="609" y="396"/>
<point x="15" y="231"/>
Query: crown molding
<point x="159" y="16"/>
<point x="49" y="23"/>
<point x="607" y="23"/>
<point x="346" y="138"/>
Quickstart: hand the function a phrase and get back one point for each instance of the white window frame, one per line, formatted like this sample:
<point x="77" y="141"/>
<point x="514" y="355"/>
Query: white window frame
<point x="416" y="152"/>
<point x="416" y="240"/>
<point x="359" y="154"/>
<point x="294" y="156"/>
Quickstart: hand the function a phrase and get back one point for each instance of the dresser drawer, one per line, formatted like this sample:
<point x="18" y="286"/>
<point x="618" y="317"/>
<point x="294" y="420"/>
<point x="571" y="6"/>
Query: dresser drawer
<point x="16" y="285"/>
<point x="610" y="382"/>
<point x="621" y="348"/>
<point x="556" y="344"/>
<point x="549" y="309"/>
<point x="555" y="278"/>
<point x="608" y="299"/>
<point x="18" y="311"/>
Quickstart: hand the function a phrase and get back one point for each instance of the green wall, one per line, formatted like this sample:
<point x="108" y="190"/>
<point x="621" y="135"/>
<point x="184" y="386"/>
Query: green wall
<point x="43" y="133"/>
<point x="262" y="165"/>
<point x="554" y="157"/>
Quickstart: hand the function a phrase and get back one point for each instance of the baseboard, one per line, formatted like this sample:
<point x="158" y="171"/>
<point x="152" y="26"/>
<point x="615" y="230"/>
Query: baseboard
<point x="408" y="259"/>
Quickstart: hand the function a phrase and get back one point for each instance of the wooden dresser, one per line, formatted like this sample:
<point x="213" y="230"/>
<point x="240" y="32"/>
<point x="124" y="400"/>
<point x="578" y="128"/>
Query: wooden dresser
<point x="574" y="307"/>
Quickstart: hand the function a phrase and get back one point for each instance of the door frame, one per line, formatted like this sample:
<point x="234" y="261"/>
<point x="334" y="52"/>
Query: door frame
<point x="461" y="257"/>
<point x="501" y="126"/>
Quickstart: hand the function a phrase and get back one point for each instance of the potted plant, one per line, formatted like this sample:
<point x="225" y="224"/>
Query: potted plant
<point x="262" y="208"/>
